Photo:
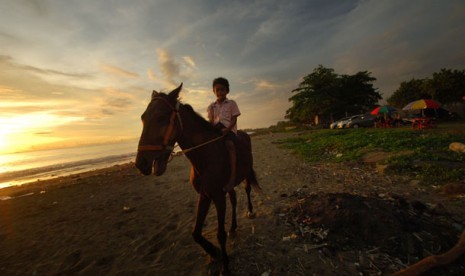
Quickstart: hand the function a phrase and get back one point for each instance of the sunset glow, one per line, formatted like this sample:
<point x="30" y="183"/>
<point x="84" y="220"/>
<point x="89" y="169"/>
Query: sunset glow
<point x="76" y="72"/>
<point x="28" y="132"/>
<point x="2" y="140"/>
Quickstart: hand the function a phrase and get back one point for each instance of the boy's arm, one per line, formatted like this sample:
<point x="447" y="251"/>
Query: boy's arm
<point x="210" y="113"/>
<point x="231" y="126"/>
<point x="233" y="122"/>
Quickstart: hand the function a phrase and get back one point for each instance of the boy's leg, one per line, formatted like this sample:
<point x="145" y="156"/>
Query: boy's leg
<point x="232" y="157"/>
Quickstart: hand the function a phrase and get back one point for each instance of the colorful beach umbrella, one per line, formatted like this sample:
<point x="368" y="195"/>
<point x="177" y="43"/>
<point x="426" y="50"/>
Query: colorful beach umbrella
<point x="422" y="104"/>
<point x="383" y="110"/>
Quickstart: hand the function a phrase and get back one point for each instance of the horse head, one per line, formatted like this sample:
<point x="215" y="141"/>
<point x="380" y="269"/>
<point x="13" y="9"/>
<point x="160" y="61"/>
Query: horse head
<point x="162" y="127"/>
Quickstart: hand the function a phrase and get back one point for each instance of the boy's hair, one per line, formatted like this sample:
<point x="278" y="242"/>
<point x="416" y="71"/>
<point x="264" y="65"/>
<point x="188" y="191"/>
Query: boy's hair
<point x="221" y="81"/>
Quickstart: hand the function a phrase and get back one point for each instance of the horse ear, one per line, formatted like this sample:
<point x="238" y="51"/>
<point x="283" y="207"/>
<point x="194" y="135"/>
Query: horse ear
<point x="175" y="93"/>
<point x="154" y="94"/>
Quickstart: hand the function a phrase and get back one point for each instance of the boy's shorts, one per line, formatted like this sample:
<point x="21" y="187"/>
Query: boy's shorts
<point x="231" y="136"/>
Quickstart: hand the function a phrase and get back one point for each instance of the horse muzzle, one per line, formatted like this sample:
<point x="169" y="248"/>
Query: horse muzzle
<point x="152" y="162"/>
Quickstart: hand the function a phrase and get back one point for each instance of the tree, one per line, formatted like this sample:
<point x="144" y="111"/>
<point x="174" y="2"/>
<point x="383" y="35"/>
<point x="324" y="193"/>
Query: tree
<point x="360" y="96"/>
<point x="448" y="86"/>
<point x="410" y="91"/>
<point x="325" y="94"/>
<point x="314" y="94"/>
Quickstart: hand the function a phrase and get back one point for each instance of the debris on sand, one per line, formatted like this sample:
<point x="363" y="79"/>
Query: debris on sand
<point x="376" y="235"/>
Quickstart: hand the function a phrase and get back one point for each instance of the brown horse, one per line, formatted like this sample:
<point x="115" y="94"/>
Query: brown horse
<point x="167" y="121"/>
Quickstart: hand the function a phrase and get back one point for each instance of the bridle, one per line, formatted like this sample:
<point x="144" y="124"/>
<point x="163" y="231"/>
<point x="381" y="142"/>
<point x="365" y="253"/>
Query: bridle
<point x="174" y="113"/>
<point x="165" y="146"/>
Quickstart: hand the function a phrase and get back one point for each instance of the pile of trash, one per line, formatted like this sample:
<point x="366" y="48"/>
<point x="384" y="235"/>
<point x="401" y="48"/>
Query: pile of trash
<point x="376" y="235"/>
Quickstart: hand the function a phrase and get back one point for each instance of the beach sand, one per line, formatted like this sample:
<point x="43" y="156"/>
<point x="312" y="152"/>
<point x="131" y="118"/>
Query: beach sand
<point x="117" y="222"/>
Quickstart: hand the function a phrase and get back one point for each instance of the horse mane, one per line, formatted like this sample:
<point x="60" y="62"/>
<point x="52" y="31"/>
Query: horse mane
<point x="197" y="117"/>
<point x="201" y="120"/>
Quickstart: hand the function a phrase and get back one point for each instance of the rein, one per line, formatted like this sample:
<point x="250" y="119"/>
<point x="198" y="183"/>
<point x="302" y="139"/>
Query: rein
<point x="201" y="145"/>
<point x="165" y="146"/>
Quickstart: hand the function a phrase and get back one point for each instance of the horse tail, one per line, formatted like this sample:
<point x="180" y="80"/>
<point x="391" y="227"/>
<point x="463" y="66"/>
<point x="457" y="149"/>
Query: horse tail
<point x="251" y="180"/>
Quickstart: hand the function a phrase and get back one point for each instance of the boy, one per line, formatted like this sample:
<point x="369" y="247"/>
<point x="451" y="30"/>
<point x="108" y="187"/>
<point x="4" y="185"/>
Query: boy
<point x="223" y="114"/>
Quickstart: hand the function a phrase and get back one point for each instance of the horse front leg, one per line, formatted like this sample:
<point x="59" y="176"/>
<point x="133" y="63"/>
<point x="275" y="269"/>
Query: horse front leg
<point x="220" y="204"/>
<point x="233" y="200"/>
<point x="202" y="210"/>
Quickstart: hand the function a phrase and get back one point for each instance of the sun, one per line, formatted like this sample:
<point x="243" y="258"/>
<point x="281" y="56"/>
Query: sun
<point x="15" y="132"/>
<point x="3" y="141"/>
<point x="25" y="132"/>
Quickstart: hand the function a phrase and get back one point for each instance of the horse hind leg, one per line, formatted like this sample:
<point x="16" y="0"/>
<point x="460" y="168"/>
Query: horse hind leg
<point x="233" y="200"/>
<point x="248" y="189"/>
<point x="251" y="182"/>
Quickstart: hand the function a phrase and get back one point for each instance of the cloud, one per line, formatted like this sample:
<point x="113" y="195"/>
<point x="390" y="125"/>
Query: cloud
<point x="24" y="93"/>
<point x="151" y="75"/>
<point x="9" y="93"/>
<point x="168" y="66"/>
<point x="172" y="71"/>
<point x="17" y="107"/>
<point x="18" y="82"/>
<point x="397" y="44"/>
<point x="261" y="84"/>
<point x="100" y="60"/>
<point x="41" y="71"/>
<point x="37" y="6"/>
<point x="118" y="71"/>
<point x="189" y="61"/>
<point x="115" y="101"/>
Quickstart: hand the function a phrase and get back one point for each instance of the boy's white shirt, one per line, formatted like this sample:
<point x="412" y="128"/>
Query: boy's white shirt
<point x="223" y="113"/>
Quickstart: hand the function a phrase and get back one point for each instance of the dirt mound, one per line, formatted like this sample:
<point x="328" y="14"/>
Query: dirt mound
<point x="388" y="233"/>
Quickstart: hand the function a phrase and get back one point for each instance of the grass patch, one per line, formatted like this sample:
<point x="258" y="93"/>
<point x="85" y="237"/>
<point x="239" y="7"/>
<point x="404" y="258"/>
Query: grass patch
<point x="429" y="160"/>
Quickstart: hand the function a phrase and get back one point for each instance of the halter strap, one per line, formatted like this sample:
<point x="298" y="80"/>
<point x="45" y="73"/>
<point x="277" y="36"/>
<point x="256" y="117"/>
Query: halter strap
<point x="166" y="139"/>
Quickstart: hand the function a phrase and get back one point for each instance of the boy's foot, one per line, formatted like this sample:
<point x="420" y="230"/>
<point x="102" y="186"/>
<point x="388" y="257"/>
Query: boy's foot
<point x="229" y="187"/>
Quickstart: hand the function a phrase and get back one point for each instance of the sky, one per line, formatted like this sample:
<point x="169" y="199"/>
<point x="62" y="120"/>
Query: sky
<point x="82" y="71"/>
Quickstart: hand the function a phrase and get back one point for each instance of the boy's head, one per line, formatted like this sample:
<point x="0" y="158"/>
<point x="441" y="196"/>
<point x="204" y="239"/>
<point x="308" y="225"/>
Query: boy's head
<point x="220" y="88"/>
<point x="221" y="81"/>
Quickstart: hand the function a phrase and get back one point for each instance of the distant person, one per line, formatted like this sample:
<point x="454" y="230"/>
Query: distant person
<point x="223" y="114"/>
<point x="380" y="121"/>
<point x="388" y="121"/>
<point x="397" y="122"/>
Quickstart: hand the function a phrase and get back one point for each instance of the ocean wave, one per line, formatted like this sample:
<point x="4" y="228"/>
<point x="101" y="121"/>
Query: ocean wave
<point x="60" y="169"/>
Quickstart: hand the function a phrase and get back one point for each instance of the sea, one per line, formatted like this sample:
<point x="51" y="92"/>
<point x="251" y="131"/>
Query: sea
<point x="27" y="167"/>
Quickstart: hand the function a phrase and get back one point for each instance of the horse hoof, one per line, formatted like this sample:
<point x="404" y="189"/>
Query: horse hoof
<point x="214" y="268"/>
<point x="225" y="272"/>
<point x="232" y="234"/>
<point x="250" y="215"/>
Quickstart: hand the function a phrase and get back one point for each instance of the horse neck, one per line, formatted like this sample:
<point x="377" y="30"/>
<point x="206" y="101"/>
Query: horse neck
<point x="195" y="132"/>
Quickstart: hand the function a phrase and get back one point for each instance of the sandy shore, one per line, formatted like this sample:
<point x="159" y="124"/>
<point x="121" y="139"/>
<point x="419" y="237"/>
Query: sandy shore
<point x="118" y="222"/>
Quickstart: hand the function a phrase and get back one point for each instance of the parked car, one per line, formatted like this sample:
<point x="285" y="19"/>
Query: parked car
<point x="343" y="124"/>
<point x="365" y="120"/>
<point x="333" y="125"/>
